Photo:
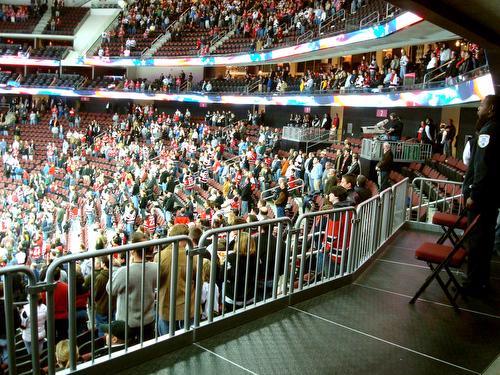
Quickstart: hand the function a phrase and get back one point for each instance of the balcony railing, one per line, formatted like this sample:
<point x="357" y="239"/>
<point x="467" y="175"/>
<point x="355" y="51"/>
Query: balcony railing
<point x="318" y="248"/>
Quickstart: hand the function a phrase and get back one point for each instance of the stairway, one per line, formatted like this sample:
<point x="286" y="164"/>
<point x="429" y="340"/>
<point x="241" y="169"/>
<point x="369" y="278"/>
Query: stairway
<point x="222" y="40"/>
<point x="43" y="22"/>
<point x="155" y="46"/>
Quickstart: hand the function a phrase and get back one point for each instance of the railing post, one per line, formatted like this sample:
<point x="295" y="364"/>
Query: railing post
<point x="72" y="314"/>
<point x="51" y="340"/>
<point x="173" y="289"/>
<point x="9" y="323"/>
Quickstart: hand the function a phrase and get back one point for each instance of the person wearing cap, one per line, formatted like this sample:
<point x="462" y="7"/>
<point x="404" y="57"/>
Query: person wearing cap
<point x="165" y="260"/>
<point x="115" y="334"/>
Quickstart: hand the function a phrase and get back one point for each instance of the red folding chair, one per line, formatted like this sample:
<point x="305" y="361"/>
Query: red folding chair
<point x="439" y="257"/>
<point x="450" y="223"/>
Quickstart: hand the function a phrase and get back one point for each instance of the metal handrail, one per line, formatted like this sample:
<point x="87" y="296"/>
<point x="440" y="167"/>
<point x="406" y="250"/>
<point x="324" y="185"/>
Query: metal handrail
<point x="252" y="86"/>
<point x="91" y="50"/>
<point x="388" y="8"/>
<point x="298" y="182"/>
<point x="219" y="36"/>
<point x="306" y="36"/>
<point x="361" y="232"/>
<point x="320" y="138"/>
<point x="233" y="160"/>
<point x="474" y="73"/>
<point x="163" y="34"/>
<point x="418" y="185"/>
<point x="340" y="15"/>
<point x="370" y="19"/>
<point x="426" y="76"/>
<point x="213" y="236"/>
<point x="159" y="36"/>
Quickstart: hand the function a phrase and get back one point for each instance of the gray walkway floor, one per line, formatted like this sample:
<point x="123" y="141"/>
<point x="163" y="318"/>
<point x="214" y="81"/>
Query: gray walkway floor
<point x="365" y="328"/>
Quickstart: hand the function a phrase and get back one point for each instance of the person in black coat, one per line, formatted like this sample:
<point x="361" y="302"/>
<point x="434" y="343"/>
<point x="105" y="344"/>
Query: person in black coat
<point x="363" y="192"/>
<point x="239" y="287"/>
<point x="394" y="127"/>
<point x="384" y="167"/>
<point x="355" y="167"/>
<point x="480" y="190"/>
<point x="267" y="251"/>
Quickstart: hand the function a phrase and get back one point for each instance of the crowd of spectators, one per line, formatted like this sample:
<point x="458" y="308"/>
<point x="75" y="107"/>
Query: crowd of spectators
<point x="365" y="75"/>
<point x="10" y="13"/>
<point x="20" y="18"/>
<point x="269" y="23"/>
<point x="140" y="20"/>
<point x="264" y="24"/>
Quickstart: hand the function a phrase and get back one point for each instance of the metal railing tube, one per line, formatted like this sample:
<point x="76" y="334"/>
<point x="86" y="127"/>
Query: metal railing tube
<point x="286" y="271"/>
<point x="303" y="256"/>
<point x="127" y="274"/>
<point x="92" y="308"/>
<point x="198" y="287"/>
<point x="51" y="340"/>
<point x="158" y="283"/>
<point x="354" y="245"/>
<point x="276" y="260"/>
<point x="72" y="315"/>
<point x="143" y="272"/>
<point x="9" y="319"/>
<point x="173" y="290"/>
<point x="110" y="298"/>
<point x="426" y="75"/>
<point x="213" y="274"/>
<point x="187" y="291"/>
<point x="33" y="291"/>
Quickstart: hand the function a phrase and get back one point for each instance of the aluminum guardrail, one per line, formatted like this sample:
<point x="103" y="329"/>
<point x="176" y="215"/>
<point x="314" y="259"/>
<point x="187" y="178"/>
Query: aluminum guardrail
<point x="405" y="152"/>
<point x="232" y="269"/>
<point x="428" y="196"/>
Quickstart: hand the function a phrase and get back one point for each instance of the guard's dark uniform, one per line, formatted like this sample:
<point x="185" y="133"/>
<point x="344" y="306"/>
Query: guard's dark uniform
<point x="481" y="184"/>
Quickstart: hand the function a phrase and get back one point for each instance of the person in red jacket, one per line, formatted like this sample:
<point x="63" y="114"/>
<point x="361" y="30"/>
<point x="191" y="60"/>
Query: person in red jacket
<point x="181" y="217"/>
<point x="82" y="295"/>
<point x="60" y="306"/>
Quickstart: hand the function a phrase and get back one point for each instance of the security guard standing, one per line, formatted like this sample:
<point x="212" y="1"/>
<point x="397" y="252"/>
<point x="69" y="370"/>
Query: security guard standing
<point x="481" y="194"/>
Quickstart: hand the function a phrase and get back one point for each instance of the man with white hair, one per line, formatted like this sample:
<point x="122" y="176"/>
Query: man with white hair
<point x="384" y="167"/>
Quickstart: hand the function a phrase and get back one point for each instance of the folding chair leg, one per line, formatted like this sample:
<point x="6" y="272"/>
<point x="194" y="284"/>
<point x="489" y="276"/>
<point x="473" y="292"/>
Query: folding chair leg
<point x="434" y="275"/>
<point x="456" y="285"/>
<point x="446" y="291"/>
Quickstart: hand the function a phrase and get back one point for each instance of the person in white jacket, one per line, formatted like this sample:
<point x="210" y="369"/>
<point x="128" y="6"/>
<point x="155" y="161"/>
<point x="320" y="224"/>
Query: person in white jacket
<point x="27" y="321"/>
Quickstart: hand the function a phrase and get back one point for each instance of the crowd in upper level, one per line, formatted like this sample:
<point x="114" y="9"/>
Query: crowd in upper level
<point x="20" y="18"/>
<point x="254" y="26"/>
